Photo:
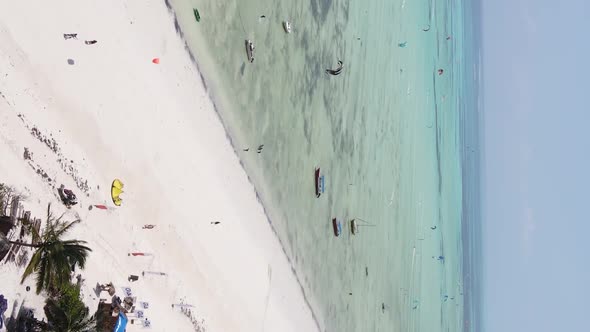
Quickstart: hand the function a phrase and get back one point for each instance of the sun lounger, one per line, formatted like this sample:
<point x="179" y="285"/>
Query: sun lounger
<point x="127" y="291"/>
<point x="128" y="303"/>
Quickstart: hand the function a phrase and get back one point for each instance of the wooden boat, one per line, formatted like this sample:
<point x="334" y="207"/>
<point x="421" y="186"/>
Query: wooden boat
<point x="337" y="226"/>
<point x="250" y="50"/>
<point x="197" y="15"/>
<point x="287" y="26"/>
<point x="319" y="183"/>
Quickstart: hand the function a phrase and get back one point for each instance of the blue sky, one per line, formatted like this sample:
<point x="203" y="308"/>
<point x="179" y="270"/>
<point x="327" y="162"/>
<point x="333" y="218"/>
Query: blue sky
<point x="536" y="60"/>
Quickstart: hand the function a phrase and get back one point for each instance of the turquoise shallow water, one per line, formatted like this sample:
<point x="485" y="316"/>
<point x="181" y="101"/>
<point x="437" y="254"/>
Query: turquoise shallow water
<point x="386" y="133"/>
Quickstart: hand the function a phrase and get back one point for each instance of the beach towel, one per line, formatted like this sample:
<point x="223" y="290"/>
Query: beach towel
<point x="3" y="307"/>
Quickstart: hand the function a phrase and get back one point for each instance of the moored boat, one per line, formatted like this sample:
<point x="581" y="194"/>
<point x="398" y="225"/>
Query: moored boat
<point x="250" y="50"/>
<point x="319" y="182"/>
<point x="354" y="225"/>
<point x="337" y="226"/>
<point x="287" y="26"/>
<point x="197" y="15"/>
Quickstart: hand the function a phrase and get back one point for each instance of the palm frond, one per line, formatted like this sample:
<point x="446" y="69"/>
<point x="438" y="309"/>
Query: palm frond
<point x="35" y="234"/>
<point x="56" y="316"/>
<point x="42" y="274"/>
<point x="76" y="254"/>
<point x="32" y="266"/>
<point x="62" y="227"/>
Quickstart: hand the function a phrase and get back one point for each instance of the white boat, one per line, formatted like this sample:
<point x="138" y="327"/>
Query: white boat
<point x="354" y="225"/>
<point x="319" y="182"/>
<point x="287" y="26"/>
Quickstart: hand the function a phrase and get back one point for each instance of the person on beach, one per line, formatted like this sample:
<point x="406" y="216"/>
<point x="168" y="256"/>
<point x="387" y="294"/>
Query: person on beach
<point x="260" y="148"/>
<point x="148" y="226"/>
<point x="215" y="222"/>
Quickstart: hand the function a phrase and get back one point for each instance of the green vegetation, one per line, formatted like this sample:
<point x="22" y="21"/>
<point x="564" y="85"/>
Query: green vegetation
<point x="66" y="312"/>
<point x="51" y="263"/>
<point x="54" y="257"/>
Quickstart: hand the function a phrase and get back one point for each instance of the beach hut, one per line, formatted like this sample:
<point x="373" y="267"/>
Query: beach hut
<point x="121" y="323"/>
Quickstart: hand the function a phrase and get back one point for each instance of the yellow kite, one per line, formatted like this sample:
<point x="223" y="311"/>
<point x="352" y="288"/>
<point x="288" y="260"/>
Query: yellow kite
<point x="116" y="190"/>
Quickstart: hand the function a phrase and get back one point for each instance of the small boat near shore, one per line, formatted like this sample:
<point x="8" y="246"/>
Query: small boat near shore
<point x="287" y="26"/>
<point x="337" y="225"/>
<point x="197" y="15"/>
<point x="250" y="50"/>
<point x="354" y="225"/>
<point x="319" y="182"/>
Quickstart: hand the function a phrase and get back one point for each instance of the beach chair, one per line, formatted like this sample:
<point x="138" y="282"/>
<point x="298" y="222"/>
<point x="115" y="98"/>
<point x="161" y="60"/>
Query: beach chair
<point x="127" y="291"/>
<point x="128" y="303"/>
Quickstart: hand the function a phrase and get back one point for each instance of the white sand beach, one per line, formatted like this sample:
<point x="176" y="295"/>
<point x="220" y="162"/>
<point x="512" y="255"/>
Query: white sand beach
<point x="115" y="114"/>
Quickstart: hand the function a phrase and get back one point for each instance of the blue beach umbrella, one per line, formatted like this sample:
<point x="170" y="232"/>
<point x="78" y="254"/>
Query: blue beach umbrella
<point x="121" y="323"/>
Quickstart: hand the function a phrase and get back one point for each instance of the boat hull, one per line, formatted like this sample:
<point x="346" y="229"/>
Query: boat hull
<point x="287" y="26"/>
<point x="319" y="182"/>
<point x="337" y="225"/>
<point x="353" y="226"/>
<point x="249" y="50"/>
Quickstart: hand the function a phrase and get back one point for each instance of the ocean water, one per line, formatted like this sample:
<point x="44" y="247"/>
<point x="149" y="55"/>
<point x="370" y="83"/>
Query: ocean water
<point x="388" y="133"/>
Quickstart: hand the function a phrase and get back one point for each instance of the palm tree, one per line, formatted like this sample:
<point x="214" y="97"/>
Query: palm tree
<point x="54" y="257"/>
<point x="64" y="319"/>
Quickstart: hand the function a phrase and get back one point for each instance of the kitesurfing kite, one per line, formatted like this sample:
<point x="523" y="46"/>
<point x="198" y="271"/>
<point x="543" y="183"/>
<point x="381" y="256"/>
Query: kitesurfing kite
<point x="116" y="190"/>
